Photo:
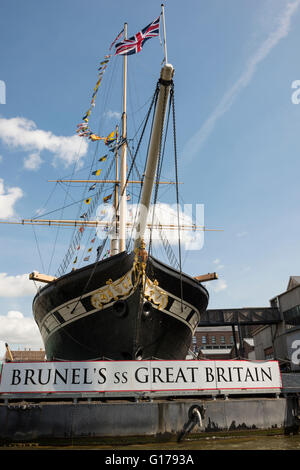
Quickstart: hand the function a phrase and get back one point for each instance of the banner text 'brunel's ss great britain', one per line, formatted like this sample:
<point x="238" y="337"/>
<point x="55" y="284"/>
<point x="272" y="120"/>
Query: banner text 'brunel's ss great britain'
<point x="121" y="376"/>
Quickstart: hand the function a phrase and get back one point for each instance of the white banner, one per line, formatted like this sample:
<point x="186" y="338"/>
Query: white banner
<point x="118" y="376"/>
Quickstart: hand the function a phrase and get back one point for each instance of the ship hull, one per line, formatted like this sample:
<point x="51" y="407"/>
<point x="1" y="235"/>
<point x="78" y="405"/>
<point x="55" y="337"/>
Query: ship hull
<point x="119" y="309"/>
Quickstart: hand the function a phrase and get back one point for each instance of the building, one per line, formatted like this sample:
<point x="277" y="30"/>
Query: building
<point x="282" y="341"/>
<point x="221" y="342"/>
<point x="25" y="355"/>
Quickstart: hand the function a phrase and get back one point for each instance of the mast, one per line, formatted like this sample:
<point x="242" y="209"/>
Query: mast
<point x="166" y="75"/>
<point x="123" y="205"/>
<point x="114" y="241"/>
<point x="164" y="31"/>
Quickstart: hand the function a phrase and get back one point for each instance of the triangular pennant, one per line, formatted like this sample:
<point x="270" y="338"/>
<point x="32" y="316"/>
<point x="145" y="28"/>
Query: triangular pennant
<point x="97" y="172"/>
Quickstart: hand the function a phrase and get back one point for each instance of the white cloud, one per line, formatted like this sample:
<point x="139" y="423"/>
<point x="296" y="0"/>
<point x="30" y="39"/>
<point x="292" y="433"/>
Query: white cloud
<point x="40" y="211"/>
<point x="15" y="328"/>
<point x="241" y="234"/>
<point x="246" y="269"/>
<point x="7" y="200"/>
<point x="219" y="285"/>
<point x="22" y="133"/>
<point x="1" y="158"/>
<point x="195" y="143"/>
<point x="113" y="114"/>
<point x="218" y="263"/>
<point x="17" y="286"/>
<point x="33" y="161"/>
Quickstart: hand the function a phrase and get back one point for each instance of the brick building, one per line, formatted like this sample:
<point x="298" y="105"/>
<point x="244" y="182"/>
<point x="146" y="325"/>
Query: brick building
<point x="221" y="342"/>
<point x="25" y="355"/>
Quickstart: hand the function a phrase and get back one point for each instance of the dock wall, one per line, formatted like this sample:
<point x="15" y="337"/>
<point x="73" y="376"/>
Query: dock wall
<point x="152" y="419"/>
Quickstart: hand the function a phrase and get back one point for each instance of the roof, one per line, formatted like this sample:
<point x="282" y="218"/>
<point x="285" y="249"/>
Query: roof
<point x="293" y="282"/>
<point x="27" y="355"/>
<point x="216" y="351"/>
<point x="205" y="329"/>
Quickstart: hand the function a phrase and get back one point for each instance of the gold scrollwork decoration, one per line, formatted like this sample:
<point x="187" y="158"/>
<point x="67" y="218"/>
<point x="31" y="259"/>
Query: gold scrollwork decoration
<point x="156" y="294"/>
<point x="114" y="290"/>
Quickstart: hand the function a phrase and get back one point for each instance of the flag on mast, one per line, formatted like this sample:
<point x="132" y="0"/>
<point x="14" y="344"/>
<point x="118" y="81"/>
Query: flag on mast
<point x="134" y="44"/>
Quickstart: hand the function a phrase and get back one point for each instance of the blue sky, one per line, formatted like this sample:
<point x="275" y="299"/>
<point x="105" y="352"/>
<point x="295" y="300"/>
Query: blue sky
<point x="237" y="133"/>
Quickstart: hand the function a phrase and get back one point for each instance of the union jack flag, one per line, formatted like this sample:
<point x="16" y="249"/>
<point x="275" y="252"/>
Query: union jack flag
<point x="134" y="44"/>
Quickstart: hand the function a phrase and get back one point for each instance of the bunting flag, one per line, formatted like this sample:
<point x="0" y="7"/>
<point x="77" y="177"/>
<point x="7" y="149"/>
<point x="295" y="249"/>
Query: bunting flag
<point x="94" y="137"/>
<point x="78" y="248"/>
<point x="128" y="197"/>
<point x="107" y="140"/>
<point x="134" y="44"/>
<point x="89" y="250"/>
<point x="93" y="240"/>
<point x="107" y="198"/>
<point x="84" y="131"/>
<point x="87" y="201"/>
<point x="96" y="173"/>
<point x="75" y="260"/>
<point x="83" y="216"/>
<point x="102" y="159"/>
<point x="81" y="229"/>
<point x="110" y="138"/>
<point x="117" y="38"/>
<point x="86" y="258"/>
<point x="92" y="187"/>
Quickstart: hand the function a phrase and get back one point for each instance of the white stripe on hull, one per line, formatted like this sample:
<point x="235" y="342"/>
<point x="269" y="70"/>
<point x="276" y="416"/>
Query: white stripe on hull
<point x="107" y="295"/>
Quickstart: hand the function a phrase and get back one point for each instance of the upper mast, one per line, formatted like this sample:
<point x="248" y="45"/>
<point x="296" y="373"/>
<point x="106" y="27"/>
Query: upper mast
<point x="123" y="205"/>
<point x="164" y="31"/>
<point x="166" y="76"/>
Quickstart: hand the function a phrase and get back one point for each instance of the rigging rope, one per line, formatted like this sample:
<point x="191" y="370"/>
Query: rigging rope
<point x="172" y="99"/>
<point x="154" y="99"/>
<point x="78" y="234"/>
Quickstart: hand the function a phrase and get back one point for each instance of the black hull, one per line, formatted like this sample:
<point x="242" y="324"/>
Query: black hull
<point x="105" y="310"/>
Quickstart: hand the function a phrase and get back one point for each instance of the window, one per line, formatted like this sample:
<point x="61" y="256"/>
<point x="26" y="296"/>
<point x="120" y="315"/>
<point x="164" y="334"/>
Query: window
<point x="213" y="340"/>
<point x="222" y="339"/>
<point x="203" y="340"/>
<point x="292" y="316"/>
<point x="269" y="354"/>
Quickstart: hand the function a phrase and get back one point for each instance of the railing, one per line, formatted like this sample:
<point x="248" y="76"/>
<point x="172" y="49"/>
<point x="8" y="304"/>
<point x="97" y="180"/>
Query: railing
<point x="240" y="316"/>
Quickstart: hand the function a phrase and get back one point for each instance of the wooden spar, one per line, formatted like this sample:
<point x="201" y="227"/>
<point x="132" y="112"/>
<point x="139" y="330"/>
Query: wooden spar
<point x="166" y="76"/>
<point x="35" y="276"/>
<point x="9" y="352"/>
<point x="123" y="169"/>
<point x="95" y="223"/>
<point x="108" y="181"/>
<point x="206" y="277"/>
